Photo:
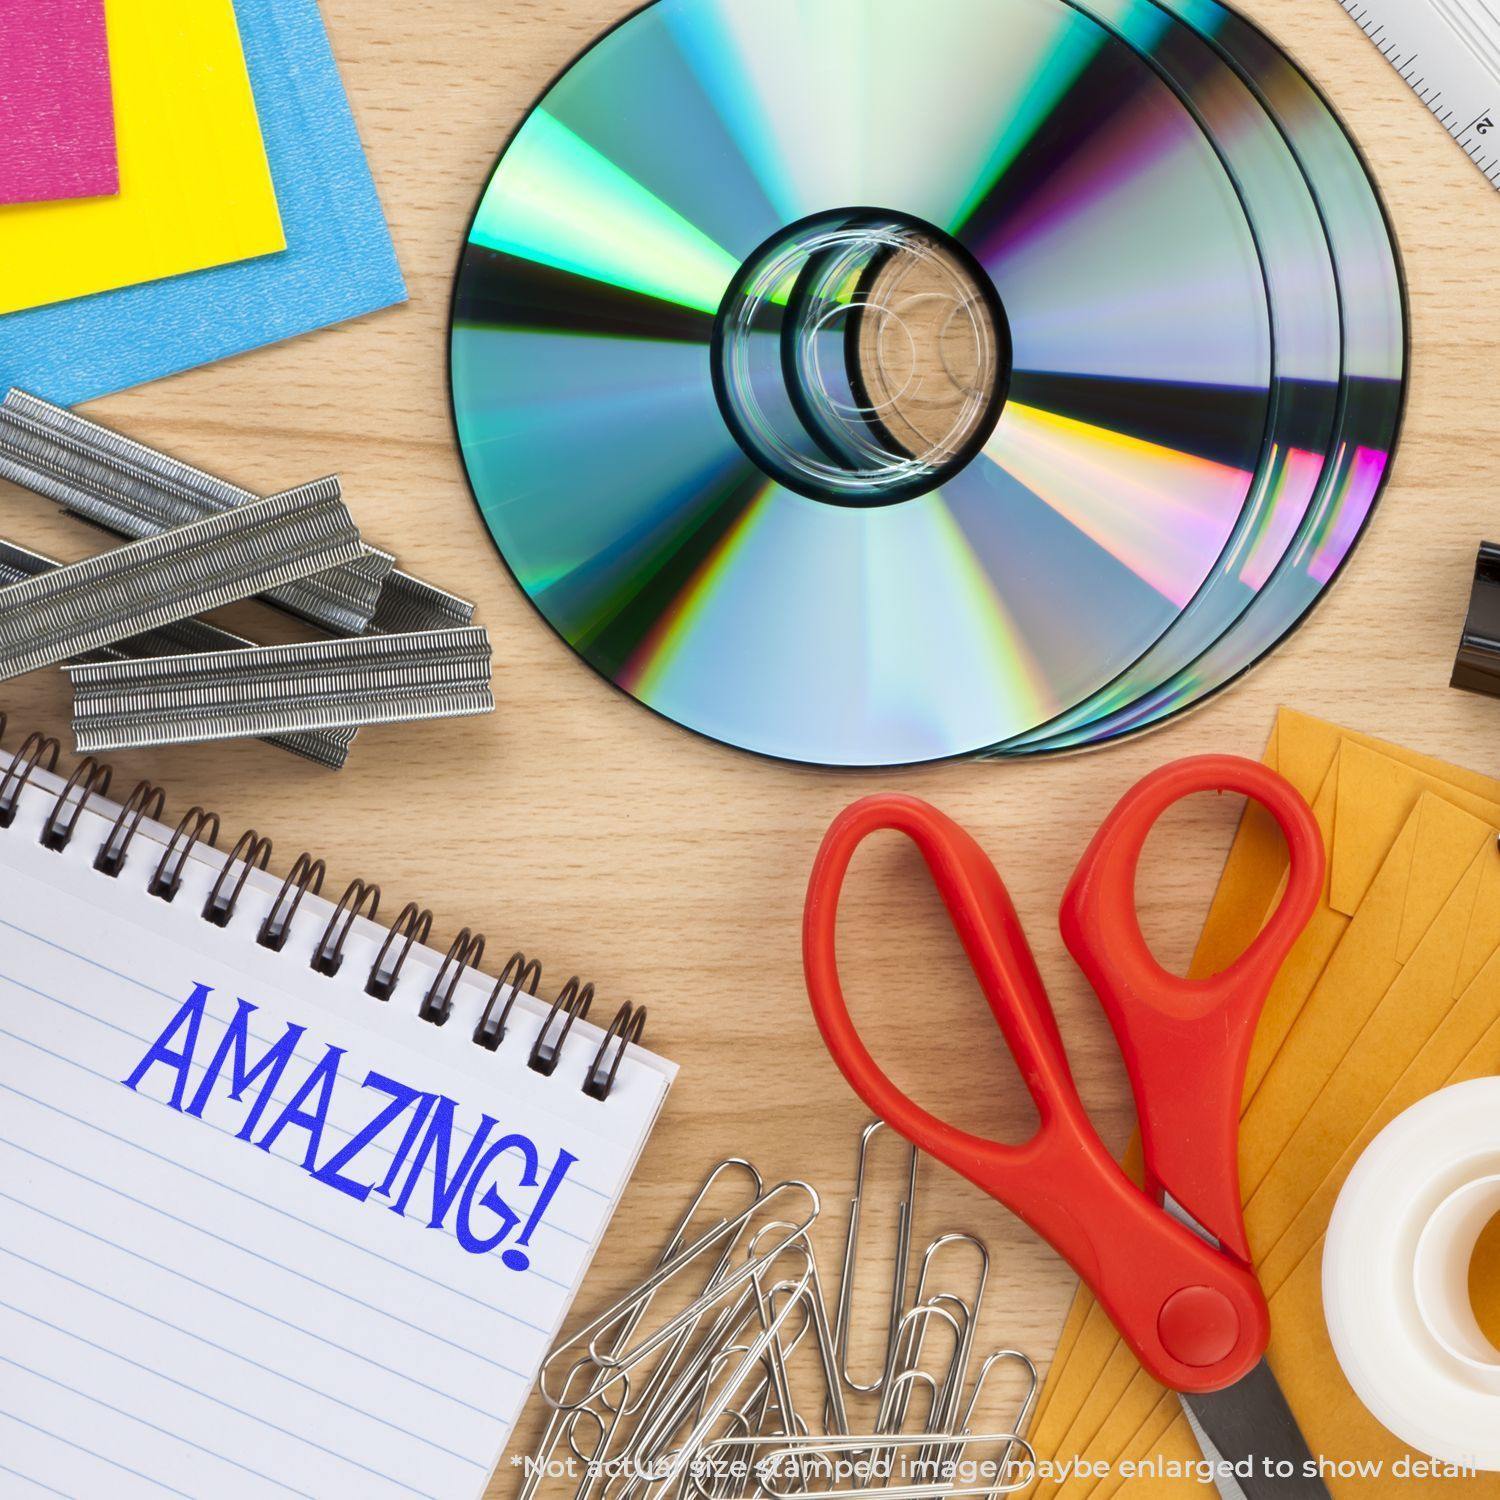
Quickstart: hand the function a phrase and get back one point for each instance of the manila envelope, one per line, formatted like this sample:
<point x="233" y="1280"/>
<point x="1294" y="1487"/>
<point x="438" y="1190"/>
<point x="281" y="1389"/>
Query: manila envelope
<point x="1435" y="851"/>
<point x="1433" y="998"/>
<point x="1367" y="791"/>
<point x="1464" y="1045"/>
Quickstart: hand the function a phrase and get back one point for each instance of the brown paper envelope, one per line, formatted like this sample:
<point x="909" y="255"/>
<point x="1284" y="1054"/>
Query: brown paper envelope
<point x="1166" y="1437"/>
<point x="1484" y="1282"/>
<point x="1433" y="851"/>
<point x="1357" y="848"/>
<point x="1302" y="740"/>
<point x="1077" y="1312"/>
<point x="1375" y="796"/>
<point x="1119" y="1369"/>
<point x="1303" y="749"/>
<point x="1334" y="1420"/>
<point x="1088" y="1375"/>
<point x="1103" y="1396"/>
<point x="1309" y="955"/>
<point x="1412" y="1011"/>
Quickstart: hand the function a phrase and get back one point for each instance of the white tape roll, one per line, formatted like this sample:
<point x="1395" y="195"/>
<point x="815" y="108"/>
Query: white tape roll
<point x="1396" y="1275"/>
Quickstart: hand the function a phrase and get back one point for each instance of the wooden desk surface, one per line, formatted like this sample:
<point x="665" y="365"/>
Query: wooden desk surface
<point x="671" y="870"/>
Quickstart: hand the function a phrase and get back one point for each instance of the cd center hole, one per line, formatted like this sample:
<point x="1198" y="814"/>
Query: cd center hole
<point x="927" y="352"/>
<point x="862" y="358"/>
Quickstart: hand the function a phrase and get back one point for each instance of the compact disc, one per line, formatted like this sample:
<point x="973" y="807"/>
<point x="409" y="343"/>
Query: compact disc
<point x="869" y="382"/>
<point x="1307" y="352"/>
<point x="1372" y="390"/>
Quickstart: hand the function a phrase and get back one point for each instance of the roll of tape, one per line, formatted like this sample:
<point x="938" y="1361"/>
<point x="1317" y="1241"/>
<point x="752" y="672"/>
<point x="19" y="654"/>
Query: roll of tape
<point x="1396" y="1275"/>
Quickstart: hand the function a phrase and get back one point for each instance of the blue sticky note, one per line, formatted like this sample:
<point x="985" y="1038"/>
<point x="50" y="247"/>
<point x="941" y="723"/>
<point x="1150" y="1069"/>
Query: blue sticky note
<point x="339" y="261"/>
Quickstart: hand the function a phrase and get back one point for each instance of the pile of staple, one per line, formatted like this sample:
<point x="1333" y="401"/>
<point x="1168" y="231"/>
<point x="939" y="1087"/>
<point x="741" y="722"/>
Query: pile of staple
<point x="123" y="623"/>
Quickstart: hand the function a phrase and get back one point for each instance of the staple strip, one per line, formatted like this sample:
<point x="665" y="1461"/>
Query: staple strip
<point x="373" y="679"/>
<point x="408" y="604"/>
<point x="328" y="747"/>
<point x="171" y="576"/>
<point x="133" y="491"/>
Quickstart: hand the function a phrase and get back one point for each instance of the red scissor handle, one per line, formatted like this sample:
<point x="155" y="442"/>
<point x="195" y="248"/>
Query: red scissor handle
<point x="1194" y="1317"/>
<point x="1186" y="1041"/>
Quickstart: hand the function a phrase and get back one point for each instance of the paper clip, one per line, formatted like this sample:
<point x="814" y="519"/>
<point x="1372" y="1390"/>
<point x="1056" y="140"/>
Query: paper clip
<point x="835" y="1416"/>
<point x="969" y="1312"/>
<point x="990" y="1362"/>
<point x="1028" y="1400"/>
<point x="906" y="1350"/>
<point x="219" y="695"/>
<point x="328" y="747"/>
<point x="619" y="1363"/>
<point x="748" y="1360"/>
<point x="563" y="1425"/>
<point x="905" y="1212"/>
<point x="559" y="1425"/>
<point x="712" y="1403"/>
<point x="629" y="1323"/>
<point x="133" y="589"/>
<point x="134" y="492"/>
<point x="674" y="1244"/>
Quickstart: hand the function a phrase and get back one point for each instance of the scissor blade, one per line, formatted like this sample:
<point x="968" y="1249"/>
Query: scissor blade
<point x="1225" y="1483"/>
<point x="1250" y="1430"/>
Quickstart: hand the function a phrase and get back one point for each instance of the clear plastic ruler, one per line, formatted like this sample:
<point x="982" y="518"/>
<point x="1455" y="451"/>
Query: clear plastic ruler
<point x="1448" y="51"/>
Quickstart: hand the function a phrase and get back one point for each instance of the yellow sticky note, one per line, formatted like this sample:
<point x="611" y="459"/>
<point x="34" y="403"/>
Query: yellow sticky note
<point x="195" y="186"/>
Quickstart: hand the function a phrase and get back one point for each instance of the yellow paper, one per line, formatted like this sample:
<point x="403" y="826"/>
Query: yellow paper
<point x="1303" y="749"/>
<point x="195" y="186"/>
<point x="1440" y="847"/>
<point x="1435" y="851"/>
<point x="1097" y="1401"/>
<point x="1307" y="752"/>
<point x="1333" y="1420"/>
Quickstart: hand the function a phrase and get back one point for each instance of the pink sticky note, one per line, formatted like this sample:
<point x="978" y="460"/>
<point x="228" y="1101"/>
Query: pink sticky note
<point x="57" y="124"/>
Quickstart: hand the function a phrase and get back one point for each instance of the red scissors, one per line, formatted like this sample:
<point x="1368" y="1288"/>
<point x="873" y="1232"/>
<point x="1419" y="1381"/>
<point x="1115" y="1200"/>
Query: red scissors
<point x="1170" y="1264"/>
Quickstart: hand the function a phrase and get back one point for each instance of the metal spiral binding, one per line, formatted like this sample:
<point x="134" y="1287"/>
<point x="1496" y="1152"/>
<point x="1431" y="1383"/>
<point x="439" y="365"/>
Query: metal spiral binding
<point x="251" y="853"/>
<point x="18" y="773"/>
<point x="57" y="834"/>
<point x="167" y="875"/>
<point x="571" y="1005"/>
<point x="146" y="801"/>
<point x="519" y="973"/>
<point x="305" y="875"/>
<point x="412" y="926"/>
<point x="464" y="952"/>
<point x="91" y="778"/>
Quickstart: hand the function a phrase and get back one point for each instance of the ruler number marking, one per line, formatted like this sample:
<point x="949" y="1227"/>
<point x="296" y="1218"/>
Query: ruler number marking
<point x="1449" y="89"/>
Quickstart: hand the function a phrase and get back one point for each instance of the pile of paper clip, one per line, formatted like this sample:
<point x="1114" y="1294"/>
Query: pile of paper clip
<point x="724" y="1374"/>
<point x="146" y="671"/>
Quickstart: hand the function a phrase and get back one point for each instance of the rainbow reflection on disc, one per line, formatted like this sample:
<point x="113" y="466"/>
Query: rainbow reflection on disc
<point x="1371" y="398"/>
<point x="867" y="382"/>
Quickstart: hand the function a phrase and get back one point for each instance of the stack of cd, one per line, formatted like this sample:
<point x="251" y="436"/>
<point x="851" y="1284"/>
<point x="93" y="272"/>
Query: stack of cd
<point x="865" y="382"/>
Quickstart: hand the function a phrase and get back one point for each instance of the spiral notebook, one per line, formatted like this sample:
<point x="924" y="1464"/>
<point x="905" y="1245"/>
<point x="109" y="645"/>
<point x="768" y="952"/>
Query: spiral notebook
<point x="290" y="1204"/>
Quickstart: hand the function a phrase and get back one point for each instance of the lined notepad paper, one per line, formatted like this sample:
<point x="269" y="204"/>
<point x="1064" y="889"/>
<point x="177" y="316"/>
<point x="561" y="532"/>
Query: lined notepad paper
<point x="262" y="1234"/>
